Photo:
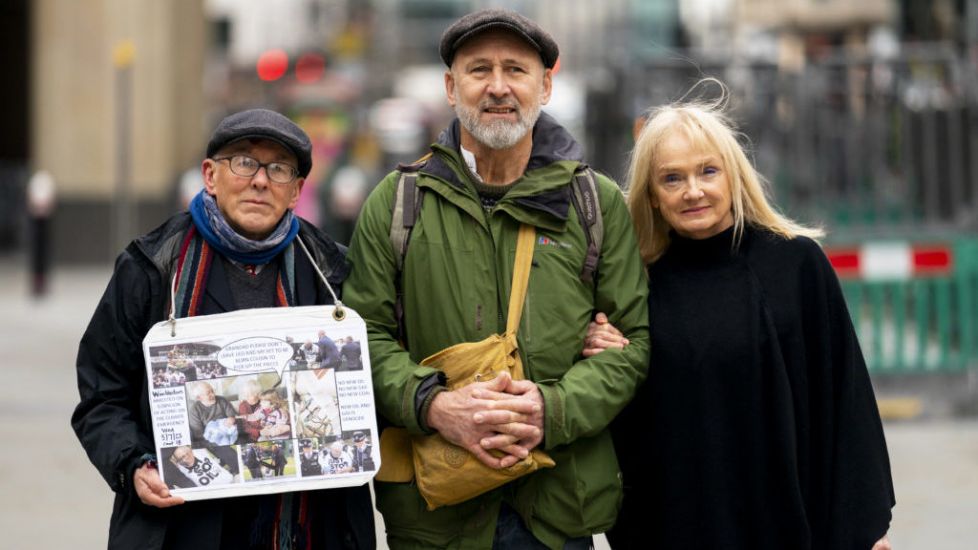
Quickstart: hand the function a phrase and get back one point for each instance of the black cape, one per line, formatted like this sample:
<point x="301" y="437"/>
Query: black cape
<point x="757" y="426"/>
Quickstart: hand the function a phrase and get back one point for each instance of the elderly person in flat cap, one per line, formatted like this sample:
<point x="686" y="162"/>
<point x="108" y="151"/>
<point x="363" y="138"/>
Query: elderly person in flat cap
<point x="234" y="249"/>
<point x="501" y="164"/>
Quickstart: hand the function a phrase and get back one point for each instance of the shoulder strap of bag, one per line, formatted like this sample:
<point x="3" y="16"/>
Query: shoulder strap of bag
<point x="585" y="199"/>
<point x="521" y="276"/>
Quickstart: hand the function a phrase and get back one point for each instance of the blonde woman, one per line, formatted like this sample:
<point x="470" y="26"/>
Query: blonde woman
<point x="757" y="426"/>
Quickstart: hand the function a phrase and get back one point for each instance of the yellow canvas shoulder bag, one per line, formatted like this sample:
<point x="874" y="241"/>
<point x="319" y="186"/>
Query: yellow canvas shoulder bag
<point x="447" y="474"/>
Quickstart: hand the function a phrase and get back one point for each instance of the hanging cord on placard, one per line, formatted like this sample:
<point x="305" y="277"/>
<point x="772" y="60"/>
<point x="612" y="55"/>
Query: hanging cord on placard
<point x="173" y="306"/>
<point x="339" y="314"/>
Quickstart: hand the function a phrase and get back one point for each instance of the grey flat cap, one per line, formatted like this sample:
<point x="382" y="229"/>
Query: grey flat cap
<point x="483" y="20"/>
<point x="264" y="124"/>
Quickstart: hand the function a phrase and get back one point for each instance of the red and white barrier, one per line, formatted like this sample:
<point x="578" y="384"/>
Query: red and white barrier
<point x="888" y="261"/>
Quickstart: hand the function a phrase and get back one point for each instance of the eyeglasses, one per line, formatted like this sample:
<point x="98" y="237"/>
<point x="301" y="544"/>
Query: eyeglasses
<point x="247" y="167"/>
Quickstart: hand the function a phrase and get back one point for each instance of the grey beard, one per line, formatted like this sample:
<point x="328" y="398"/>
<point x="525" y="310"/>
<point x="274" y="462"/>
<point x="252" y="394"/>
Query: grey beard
<point x="499" y="134"/>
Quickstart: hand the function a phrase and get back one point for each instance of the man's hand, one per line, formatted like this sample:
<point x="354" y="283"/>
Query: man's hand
<point x="883" y="544"/>
<point x="519" y="430"/>
<point x="150" y="488"/>
<point x="466" y="420"/>
<point x="602" y="335"/>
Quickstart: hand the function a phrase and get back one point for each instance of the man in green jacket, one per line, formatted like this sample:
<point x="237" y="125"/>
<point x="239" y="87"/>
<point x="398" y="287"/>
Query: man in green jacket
<point x="501" y="164"/>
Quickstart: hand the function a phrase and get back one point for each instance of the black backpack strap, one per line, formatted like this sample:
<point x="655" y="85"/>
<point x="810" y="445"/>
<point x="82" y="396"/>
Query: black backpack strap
<point x="585" y="200"/>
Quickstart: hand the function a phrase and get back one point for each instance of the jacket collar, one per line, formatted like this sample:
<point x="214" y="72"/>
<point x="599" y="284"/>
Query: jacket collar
<point x="162" y="247"/>
<point x="308" y="289"/>
<point x="555" y="154"/>
<point x="551" y="142"/>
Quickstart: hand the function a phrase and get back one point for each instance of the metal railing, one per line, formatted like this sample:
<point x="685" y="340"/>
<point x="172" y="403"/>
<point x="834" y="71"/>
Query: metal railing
<point x="919" y="322"/>
<point x="864" y="146"/>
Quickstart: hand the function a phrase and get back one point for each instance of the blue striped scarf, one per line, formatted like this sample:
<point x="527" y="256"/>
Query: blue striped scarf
<point x="212" y="225"/>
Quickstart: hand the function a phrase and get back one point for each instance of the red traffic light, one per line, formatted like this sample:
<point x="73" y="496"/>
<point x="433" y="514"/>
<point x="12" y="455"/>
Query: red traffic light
<point x="310" y="68"/>
<point x="272" y="65"/>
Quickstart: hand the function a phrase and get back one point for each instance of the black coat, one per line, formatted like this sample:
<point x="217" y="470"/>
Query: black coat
<point x="113" y="421"/>
<point x="757" y="427"/>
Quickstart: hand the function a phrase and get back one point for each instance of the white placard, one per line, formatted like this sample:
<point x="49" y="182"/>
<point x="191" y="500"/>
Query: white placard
<point x="262" y="401"/>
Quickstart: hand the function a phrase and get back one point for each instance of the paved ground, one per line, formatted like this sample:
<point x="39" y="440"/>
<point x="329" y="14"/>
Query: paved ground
<point x="53" y="498"/>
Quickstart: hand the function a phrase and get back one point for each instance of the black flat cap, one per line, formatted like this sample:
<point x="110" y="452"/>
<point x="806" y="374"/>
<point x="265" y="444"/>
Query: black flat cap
<point x="483" y="20"/>
<point x="264" y="124"/>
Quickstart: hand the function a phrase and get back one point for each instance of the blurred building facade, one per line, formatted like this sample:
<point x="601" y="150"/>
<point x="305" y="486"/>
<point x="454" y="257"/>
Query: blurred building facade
<point x="856" y="104"/>
<point x="115" y="98"/>
<point x="115" y="113"/>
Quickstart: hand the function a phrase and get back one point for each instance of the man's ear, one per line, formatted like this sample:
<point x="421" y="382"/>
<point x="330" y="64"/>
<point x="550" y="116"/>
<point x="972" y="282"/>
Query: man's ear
<point x="450" y="88"/>
<point x="296" y="191"/>
<point x="209" y="169"/>
<point x="548" y="85"/>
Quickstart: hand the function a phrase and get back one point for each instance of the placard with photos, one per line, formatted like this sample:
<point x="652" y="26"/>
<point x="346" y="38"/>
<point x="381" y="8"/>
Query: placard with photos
<point x="262" y="401"/>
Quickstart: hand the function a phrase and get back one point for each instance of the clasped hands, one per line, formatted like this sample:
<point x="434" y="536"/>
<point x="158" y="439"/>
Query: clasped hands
<point x="503" y="415"/>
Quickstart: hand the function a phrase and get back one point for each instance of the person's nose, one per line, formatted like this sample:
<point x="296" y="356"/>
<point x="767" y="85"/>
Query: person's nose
<point x="498" y="84"/>
<point x="260" y="179"/>
<point x="694" y="190"/>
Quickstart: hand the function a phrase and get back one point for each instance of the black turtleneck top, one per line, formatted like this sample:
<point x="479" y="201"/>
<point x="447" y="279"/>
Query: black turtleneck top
<point x="757" y="426"/>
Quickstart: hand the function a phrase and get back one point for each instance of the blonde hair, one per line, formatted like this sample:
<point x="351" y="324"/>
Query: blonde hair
<point x="273" y="397"/>
<point x="707" y="127"/>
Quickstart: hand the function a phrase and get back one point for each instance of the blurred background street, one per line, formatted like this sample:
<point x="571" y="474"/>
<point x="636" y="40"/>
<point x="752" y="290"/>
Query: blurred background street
<point x="862" y="115"/>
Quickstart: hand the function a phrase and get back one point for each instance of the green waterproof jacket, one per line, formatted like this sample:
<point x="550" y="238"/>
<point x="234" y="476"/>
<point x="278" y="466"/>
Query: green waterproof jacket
<point x="456" y="281"/>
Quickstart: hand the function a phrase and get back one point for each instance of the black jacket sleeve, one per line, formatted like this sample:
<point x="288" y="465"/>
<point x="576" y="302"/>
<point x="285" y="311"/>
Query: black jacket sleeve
<point x="112" y="425"/>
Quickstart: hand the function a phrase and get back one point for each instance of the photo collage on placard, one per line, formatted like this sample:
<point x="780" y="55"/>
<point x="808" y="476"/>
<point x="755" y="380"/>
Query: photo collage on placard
<point x="176" y="365"/>
<point x="259" y="426"/>
<point x="348" y="453"/>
